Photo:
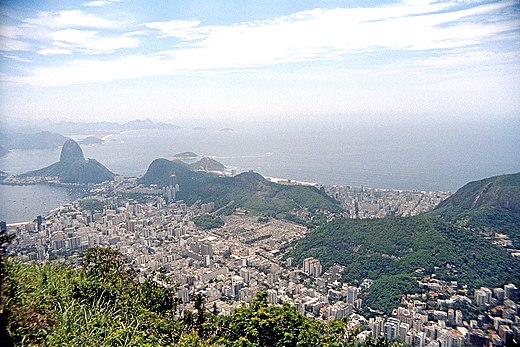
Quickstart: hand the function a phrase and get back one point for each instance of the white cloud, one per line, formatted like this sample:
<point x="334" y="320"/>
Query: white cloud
<point x="328" y="34"/>
<point x="100" y="3"/>
<point x="58" y="33"/>
<point x="73" y="35"/>
<point x="70" y="18"/>
<point x="182" y="29"/>
<point x="10" y="39"/>
<point x="9" y="31"/>
<point x="54" y="51"/>
<point x="468" y="59"/>
<point x="91" y="41"/>
<point x="320" y="34"/>
<point x="136" y="33"/>
<point x="87" y="71"/>
<point x="16" y="58"/>
<point x="10" y="45"/>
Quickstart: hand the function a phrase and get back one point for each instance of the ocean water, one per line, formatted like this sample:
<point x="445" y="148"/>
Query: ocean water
<point x="24" y="203"/>
<point x="417" y="155"/>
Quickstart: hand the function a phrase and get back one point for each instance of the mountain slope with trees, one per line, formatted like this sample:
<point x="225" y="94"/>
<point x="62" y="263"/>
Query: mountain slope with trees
<point x="247" y="190"/>
<point x="488" y="206"/>
<point x="449" y="241"/>
<point x="397" y="246"/>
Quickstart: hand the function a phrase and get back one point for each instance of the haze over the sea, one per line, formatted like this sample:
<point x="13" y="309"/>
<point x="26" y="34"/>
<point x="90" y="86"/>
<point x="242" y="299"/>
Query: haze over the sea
<point x="419" y="155"/>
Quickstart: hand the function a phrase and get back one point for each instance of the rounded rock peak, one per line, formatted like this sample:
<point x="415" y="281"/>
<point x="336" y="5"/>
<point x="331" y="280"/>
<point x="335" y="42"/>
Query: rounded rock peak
<point x="71" y="151"/>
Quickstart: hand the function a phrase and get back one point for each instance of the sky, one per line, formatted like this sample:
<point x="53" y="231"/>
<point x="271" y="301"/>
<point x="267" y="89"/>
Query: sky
<point x="262" y="61"/>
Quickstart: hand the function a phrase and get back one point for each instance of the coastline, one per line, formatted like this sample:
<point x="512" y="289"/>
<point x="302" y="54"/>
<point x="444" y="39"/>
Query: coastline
<point x="290" y="181"/>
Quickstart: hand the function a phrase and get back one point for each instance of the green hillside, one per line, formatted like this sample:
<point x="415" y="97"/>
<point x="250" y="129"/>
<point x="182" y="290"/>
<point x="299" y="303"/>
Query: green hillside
<point x="397" y="246"/>
<point x="457" y="233"/>
<point x="207" y="164"/>
<point x="247" y="190"/>
<point x="486" y="206"/>
<point x="103" y="304"/>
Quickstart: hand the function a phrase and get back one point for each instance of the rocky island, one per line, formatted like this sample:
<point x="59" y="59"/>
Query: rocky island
<point x="72" y="168"/>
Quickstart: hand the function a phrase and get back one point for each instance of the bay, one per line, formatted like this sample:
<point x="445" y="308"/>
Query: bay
<point x="24" y="203"/>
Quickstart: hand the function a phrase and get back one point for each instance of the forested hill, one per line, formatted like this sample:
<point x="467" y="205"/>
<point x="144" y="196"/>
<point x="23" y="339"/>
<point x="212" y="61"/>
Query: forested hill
<point x="487" y="206"/>
<point x="247" y="190"/>
<point x="494" y="192"/>
<point x="389" y="250"/>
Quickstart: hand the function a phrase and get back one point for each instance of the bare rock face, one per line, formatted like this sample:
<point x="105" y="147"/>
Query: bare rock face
<point x="71" y="151"/>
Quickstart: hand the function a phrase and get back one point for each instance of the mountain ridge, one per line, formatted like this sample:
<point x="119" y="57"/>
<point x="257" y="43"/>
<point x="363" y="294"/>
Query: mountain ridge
<point x="493" y="192"/>
<point x="487" y="206"/>
<point x="248" y="190"/>
<point x="73" y="167"/>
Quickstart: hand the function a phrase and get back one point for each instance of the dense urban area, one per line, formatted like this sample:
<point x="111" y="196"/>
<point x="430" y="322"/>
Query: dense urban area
<point x="230" y="259"/>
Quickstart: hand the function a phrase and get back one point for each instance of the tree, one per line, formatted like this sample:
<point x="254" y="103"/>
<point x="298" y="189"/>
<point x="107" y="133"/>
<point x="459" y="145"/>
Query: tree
<point x="5" y="238"/>
<point x="103" y="261"/>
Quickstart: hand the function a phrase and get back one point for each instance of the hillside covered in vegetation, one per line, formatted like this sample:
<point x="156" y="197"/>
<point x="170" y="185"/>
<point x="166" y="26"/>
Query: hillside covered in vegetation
<point x="102" y="304"/>
<point x="387" y="249"/>
<point x="451" y="241"/>
<point x="247" y="190"/>
<point x="487" y="206"/>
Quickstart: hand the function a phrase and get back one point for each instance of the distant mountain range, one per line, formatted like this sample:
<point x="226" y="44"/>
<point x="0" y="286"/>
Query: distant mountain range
<point x="27" y="137"/>
<point x="186" y="155"/>
<point x="91" y="140"/>
<point x="74" y="168"/>
<point x="249" y="190"/>
<point x="453" y="241"/>
<point x="104" y="127"/>
<point x="39" y="140"/>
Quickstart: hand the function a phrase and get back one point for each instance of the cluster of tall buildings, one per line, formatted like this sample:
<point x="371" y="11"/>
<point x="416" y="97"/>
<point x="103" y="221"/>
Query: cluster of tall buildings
<point x="312" y="267"/>
<point x="362" y="202"/>
<point x="429" y="321"/>
<point x="229" y="265"/>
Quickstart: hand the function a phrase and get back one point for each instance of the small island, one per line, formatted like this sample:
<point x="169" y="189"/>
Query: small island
<point x="186" y="155"/>
<point x="91" y="140"/>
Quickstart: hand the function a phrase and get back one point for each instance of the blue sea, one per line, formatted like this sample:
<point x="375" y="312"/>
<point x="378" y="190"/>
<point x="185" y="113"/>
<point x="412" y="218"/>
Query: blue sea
<point x="24" y="203"/>
<point x="413" y="155"/>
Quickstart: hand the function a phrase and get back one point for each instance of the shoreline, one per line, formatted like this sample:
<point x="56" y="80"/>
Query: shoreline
<point x="289" y="181"/>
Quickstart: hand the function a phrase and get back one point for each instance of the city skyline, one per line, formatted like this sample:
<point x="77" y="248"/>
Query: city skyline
<point x="121" y="60"/>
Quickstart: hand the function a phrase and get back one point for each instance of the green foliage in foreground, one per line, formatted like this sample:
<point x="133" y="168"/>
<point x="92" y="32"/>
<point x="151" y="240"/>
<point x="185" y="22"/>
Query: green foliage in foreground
<point x="382" y="249"/>
<point x="102" y="304"/>
<point x="207" y="221"/>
